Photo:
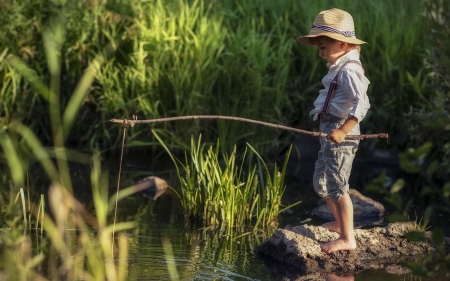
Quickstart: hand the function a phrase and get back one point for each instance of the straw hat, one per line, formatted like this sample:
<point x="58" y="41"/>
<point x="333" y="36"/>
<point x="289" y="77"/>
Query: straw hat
<point x="334" y="23"/>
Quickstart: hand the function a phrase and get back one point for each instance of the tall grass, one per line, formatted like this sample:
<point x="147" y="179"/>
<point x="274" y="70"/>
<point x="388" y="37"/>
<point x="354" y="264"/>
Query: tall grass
<point x="224" y="193"/>
<point x="182" y="57"/>
<point x="81" y="246"/>
<point x="67" y="243"/>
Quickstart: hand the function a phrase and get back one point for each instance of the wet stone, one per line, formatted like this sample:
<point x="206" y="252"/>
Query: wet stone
<point x="151" y="187"/>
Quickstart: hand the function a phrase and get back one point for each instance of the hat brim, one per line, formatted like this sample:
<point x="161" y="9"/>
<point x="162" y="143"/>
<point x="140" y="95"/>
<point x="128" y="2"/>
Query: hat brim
<point x="352" y="40"/>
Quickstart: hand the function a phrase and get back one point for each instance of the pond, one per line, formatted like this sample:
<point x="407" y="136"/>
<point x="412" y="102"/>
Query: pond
<point x="200" y="254"/>
<point x="163" y="243"/>
<point x="203" y="254"/>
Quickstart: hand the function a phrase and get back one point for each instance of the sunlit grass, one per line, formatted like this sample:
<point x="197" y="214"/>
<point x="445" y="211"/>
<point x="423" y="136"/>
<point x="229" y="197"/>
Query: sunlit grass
<point x="237" y="58"/>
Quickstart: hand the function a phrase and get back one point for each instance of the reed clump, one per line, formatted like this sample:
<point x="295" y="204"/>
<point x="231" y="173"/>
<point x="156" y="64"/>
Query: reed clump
<point x="228" y="194"/>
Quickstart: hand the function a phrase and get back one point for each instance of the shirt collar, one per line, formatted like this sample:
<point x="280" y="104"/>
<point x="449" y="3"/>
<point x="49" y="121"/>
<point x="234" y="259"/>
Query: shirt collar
<point x="351" y="55"/>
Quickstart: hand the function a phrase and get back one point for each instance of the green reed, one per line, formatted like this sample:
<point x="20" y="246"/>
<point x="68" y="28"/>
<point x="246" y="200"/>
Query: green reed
<point x="226" y="193"/>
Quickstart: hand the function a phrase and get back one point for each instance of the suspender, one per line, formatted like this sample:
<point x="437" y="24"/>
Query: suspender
<point x="332" y="87"/>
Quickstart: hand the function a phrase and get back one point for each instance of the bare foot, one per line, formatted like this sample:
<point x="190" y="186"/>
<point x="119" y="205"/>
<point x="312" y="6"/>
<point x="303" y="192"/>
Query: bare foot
<point x="332" y="226"/>
<point x="338" y="245"/>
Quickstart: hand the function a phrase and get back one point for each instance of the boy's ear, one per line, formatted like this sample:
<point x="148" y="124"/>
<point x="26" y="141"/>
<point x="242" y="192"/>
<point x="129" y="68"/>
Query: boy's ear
<point x="343" y="45"/>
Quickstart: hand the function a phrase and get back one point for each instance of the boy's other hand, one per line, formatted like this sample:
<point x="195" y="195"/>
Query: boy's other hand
<point x="336" y="136"/>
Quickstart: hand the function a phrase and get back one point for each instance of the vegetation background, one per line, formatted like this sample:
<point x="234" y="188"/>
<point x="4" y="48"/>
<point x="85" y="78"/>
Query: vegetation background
<point x="235" y="58"/>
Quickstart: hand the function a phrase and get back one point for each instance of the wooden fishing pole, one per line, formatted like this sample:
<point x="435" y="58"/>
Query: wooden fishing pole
<point x="130" y="123"/>
<point x="134" y="121"/>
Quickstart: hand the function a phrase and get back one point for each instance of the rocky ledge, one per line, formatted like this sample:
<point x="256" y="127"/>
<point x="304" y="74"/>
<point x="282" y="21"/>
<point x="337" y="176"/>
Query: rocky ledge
<point x="378" y="247"/>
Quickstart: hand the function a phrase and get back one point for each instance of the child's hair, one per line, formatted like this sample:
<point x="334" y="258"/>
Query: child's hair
<point x="315" y="41"/>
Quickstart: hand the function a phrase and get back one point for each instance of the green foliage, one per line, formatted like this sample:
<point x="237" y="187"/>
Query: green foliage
<point x="412" y="159"/>
<point x="224" y="193"/>
<point x="237" y="58"/>
<point x="427" y="161"/>
<point x="378" y="184"/>
<point x="415" y="236"/>
<point x="392" y="195"/>
<point x="438" y="237"/>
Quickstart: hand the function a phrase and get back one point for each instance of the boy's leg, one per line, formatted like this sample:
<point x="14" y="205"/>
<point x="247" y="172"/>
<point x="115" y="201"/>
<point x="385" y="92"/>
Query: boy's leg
<point x="346" y="240"/>
<point x="332" y="225"/>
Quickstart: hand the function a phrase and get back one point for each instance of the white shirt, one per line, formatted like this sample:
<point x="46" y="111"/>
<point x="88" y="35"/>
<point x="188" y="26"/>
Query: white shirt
<point x="350" y="95"/>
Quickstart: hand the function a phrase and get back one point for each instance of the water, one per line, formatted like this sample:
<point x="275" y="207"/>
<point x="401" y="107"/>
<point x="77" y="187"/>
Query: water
<point x="201" y="254"/>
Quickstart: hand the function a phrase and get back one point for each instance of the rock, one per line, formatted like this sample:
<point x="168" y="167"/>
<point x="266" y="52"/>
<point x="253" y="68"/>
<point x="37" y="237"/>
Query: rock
<point x="151" y="187"/>
<point x="399" y="229"/>
<point x="379" y="247"/>
<point x="366" y="211"/>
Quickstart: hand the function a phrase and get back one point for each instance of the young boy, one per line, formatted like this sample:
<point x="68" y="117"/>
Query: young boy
<point x="340" y="107"/>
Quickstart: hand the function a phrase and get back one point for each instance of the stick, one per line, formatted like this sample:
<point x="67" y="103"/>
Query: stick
<point x="316" y="134"/>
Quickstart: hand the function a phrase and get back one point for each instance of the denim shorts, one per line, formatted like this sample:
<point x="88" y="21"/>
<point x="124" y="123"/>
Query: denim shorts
<point x="334" y="163"/>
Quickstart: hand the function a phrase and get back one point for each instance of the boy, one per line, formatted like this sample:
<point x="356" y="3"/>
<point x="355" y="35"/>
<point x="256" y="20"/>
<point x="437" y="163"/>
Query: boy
<point x="340" y="107"/>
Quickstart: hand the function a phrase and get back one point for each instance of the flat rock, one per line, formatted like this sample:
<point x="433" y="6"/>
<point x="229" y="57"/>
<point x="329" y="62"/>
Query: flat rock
<point x="151" y="187"/>
<point x="298" y="247"/>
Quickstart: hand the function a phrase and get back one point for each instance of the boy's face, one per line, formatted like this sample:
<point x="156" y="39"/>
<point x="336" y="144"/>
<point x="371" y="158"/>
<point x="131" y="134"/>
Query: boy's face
<point x="331" y="51"/>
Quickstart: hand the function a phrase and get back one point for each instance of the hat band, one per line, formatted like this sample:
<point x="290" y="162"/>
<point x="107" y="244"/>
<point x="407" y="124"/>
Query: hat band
<point x="331" y="29"/>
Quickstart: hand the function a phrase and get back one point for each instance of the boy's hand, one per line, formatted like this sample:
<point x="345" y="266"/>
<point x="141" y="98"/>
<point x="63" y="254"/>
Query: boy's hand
<point x="336" y="136"/>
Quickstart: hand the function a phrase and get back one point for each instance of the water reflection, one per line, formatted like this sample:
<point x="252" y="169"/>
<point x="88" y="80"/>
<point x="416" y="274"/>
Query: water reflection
<point x="199" y="254"/>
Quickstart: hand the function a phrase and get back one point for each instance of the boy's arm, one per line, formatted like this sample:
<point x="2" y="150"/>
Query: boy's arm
<point x="355" y="85"/>
<point x="338" y="135"/>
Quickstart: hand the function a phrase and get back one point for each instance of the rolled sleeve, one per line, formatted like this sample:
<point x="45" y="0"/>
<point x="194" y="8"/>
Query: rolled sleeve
<point x="355" y="84"/>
